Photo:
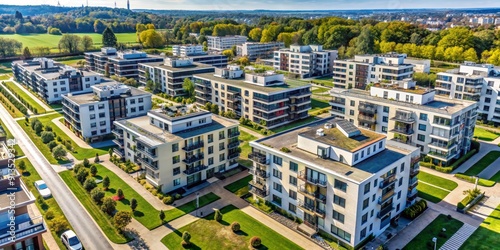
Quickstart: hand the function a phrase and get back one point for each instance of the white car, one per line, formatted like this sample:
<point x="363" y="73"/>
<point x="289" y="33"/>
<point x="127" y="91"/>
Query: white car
<point x="71" y="241"/>
<point x="43" y="189"/>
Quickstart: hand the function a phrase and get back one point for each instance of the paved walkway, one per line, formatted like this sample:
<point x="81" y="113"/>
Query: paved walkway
<point x="459" y="238"/>
<point x="246" y="130"/>
<point x="70" y="134"/>
<point x="45" y="106"/>
<point x="491" y="170"/>
<point x="430" y="184"/>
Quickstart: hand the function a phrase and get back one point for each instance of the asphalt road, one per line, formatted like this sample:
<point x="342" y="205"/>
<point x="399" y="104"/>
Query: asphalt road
<point x="83" y="224"/>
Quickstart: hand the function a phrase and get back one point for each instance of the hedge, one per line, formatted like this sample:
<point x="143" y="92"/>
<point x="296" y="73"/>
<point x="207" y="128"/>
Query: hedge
<point x="452" y="166"/>
<point x="471" y="179"/>
<point x="415" y="210"/>
<point x="14" y="101"/>
<point x="464" y="158"/>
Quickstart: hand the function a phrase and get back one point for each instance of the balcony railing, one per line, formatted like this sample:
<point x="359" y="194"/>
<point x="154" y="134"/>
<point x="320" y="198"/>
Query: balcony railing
<point x="367" y="108"/>
<point x="147" y="152"/>
<point x="258" y="157"/>
<point x="316" y="194"/>
<point x="415" y="160"/>
<point x="259" y="173"/>
<point x="403" y="118"/>
<point x="23" y="229"/>
<point x="385" y="197"/>
<point x="412" y="195"/>
<point x="119" y="152"/>
<point x="233" y="144"/>
<point x="118" y="142"/>
<point x="320" y="212"/>
<point x="194" y="170"/>
<point x="387" y="181"/>
<point x="402" y="131"/>
<point x="306" y="206"/>
<point x="193" y="146"/>
<point x="258" y="185"/>
<point x="233" y="134"/>
<point x="367" y="119"/>
<point x="445" y="146"/>
<point x="118" y="133"/>
<point x="144" y="162"/>
<point x="414" y="171"/>
<point x="412" y="183"/>
<point x="303" y="176"/>
<point x="385" y="211"/>
<point x="193" y="158"/>
<point x="259" y="192"/>
<point x="440" y="155"/>
<point x="233" y="155"/>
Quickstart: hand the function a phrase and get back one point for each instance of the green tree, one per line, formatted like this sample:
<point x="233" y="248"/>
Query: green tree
<point x="186" y="237"/>
<point x="97" y="195"/>
<point x="69" y="43"/>
<point x="47" y="137"/>
<point x="22" y="166"/>
<point x="26" y="53"/>
<point x="108" y="38"/>
<point x="151" y="39"/>
<point x="87" y="43"/>
<point x="457" y="37"/>
<point x="162" y="215"/>
<point x="121" y="220"/>
<point x="470" y="55"/>
<point x="266" y="36"/>
<point x="108" y="205"/>
<point x="133" y="204"/>
<point x="365" y="42"/>
<point x="188" y="87"/>
<point x="93" y="170"/>
<point x="386" y="47"/>
<point x="59" y="152"/>
<point x="105" y="183"/>
<point x="255" y="34"/>
<point x="228" y="53"/>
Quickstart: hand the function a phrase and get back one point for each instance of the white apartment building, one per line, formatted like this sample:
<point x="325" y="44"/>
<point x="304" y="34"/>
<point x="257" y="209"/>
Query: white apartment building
<point x="51" y="80"/>
<point x="220" y="43"/>
<point x="486" y="20"/>
<point x="306" y="61"/>
<point x="255" y="51"/>
<point x="187" y="50"/>
<point x="440" y="127"/>
<point x="92" y="115"/>
<point x="346" y="181"/>
<point x="420" y="66"/>
<point x="178" y="146"/>
<point x="473" y="82"/>
<point x="261" y="97"/>
<point x="366" y="69"/>
<point x="171" y="73"/>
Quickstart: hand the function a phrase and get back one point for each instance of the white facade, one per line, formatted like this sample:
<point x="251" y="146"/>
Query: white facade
<point x="187" y="50"/>
<point x="254" y="50"/>
<point x="420" y="66"/>
<point x="220" y="43"/>
<point x="306" y="61"/>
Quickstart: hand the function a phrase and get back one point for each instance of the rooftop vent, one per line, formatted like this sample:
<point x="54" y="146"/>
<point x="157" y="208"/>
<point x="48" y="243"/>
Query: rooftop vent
<point x="328" y="125"/>
<point x="320" y="132"/>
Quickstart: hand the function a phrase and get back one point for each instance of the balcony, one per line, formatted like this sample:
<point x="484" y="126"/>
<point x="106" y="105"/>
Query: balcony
<point x="303" y="176"/>
<point x="147" y="152"/>
<point x="193" y="158"/>
<point x="233" y="144"/>
<point x="367" y="108"/>
<point x="258" y="185"/>
<point x="412" y="195"/>
<point x="320" y="212"/>
<point x="385" y="197"/>
<point x="233" y="134"/>
<point x="403" y="117"/>
<point x="194" y="170"/>
<point x="414" y="171"/>
<point x="307" y="207"/>
<point x="387" y="181"/>
<point x="337" y="101"/>
<point x="367" y="119"/>
<point x="442" y="146"/>
<point x="440" y="156"/>
<point x="24" y="227"/>
<point x="233" y="155"/>
<point x="385" y="211"/>
<point x="313" y="195"/>
<point x="415" y="160"/>
<point x="259" y="192"/>
<point x="412" y="183"/>
<point x="145" y="163"/>
<point x="258" y="157"/>
<point x="118" y="133"/>
<point x="118" y="142"/>
<point x="259" y="173"/>
<point x="119" y="152"/>
<point x="195" y="145"/>
<point x="404" y="131"/>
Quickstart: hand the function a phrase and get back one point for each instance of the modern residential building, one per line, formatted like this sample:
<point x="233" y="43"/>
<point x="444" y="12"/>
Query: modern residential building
<point x="473" y="82"/>
<point x="196" y="53"/>
<point x="119" y="63"/>
<point x="19" y="227"/>
<point x="256" y="51"/>
<point x="419" y="65"/>
<point x="346" y="181"/>
<point x="187" y="50"/>
<point x="92" y="115"/>
<point x="305" y="61"/>
<point x="440" y="127"/>
<point x="213" y="59"/>
<point x="171" y="73"/>
<point x="264" y="98"/>
<point x="50" y="79"/>
<point x="178" y="146"/>
<point x="220" y="43"/>
<point x="366" y="69"/>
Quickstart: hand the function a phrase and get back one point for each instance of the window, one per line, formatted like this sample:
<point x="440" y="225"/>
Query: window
<point x="368" y="151"/>
<point x="293" y="180"/>
<point x="422" y="127"/>
<point x="367" y="188"/>
<point x="221" y="135"/>
<point x="292" y="194"/>
<point x="91" y="108"/>
<point x="373" y="197"/>
<point x="177" y="171"/>
<point x="371" y="213"/>
<point x="141" y="108"/>
<point x="188" y="124"/>
<point x="399" y="195"/>
<point x="397" y="207"/>
<point x="92" y="116"/>
<point x="132" y="101"/>
<point x="175" y="147"/>
<point x="384" y="129"/>
<point x="141" y="100"/>
<point x="292" y="208"/>
<point x="362" y="154"/>
<point x="356" y="157"/>
<point x="366" y="202"/>
<point x="351" y="112"/>
<point x="277" y="187"/>
<point x="364" y="218"/>
<point x="210" y="138"/>
<point x="211" y="150"/>
<point x="277" y="173"/>
<point x="176" y="159"/>
<point x="371" y="227"/>
<point x="338" y="216"/>
<point x="211" y="161"/>
<point x="100" y="106"/>
<point x="246" y="93"/>
<point x="400" y="182"/>
<point x="380" y="144"/>
<point x="221" y="146"/>
<point x="385" y="118"/>
<point x="102" y="115"/>
<point x="340" y="185"/>
<point x="93" y="125"/>
<point x="421" y="137"/>
<point x="102" y="123"/>
<point x="177" y="182"/>
<point x="375" y="183"/>
<point x="353" y="103"/>
<point x="277" y="200"/>
<point x="341" y="233"/>
<point x="339" y="200"/>
<point x="277" y="160"/>
<point x="294" y="166"/>
<point x="363" y="233"/>
<point x="386" y="109"/>
<point x="222" y="157"/>
<point x="423" y="117"/>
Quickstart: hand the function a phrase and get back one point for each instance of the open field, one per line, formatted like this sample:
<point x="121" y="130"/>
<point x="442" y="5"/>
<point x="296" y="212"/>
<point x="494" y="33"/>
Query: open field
<point x="424" y="239"/>
<point x="51" y="41"/>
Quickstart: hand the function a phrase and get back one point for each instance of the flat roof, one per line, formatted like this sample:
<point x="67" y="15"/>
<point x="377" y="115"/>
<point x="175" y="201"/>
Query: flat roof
<point x="160" y="113"/>
<point x="90" y="97"/>
<point x="53" y="72"/>
<point x="241" y="83"/>
<point x="193" y="66"/>
<point x="417" y="90"/>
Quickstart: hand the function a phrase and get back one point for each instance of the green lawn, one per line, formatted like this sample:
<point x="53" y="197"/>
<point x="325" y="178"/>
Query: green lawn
<point x="483" y="163"/>
<point x="437" y="181"/>
<point x="485" y="135"/>
<point x="189" y="207"/>
<point x="318" y="90"/>
<point x="71" y="61"/>
<point x="431" y="193"/>
<point x="6" y="103"/>
<point x="239" y="187"/>
<point x="245" y="138"/>
<point x="294" y="124"/>
<point x="13" y="87"/>
<point x="4" y="69"/>
<point x="433" y="230"/>
<point x="221" y="236"/>
<point x="326" y="81"/>
<point x="4" y="77"/>
<point x="496" y="177"/>
<point x="29" y="176"/>
<point x="9" y="135"/>
<point x="471" y="179"/>
<point x="487" y="235"/>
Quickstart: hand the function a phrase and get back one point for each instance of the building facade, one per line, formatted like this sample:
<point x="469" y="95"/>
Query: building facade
<point x="92" y="115"/>
<point x="216" y="60"/>
<point x="306" y="61"/>
<point x="178" y="146"/>
<point x="419" y="66"/>
<point x="187" y="50"/>
<point x="348" y="182"/>
<point x="51" y="80"/>
<point x="255" y="51"/>
<point x="266" y="99"/>
<point x="440" y="127"/>
<point x="366" y="69"/>
<point x="220" y="43"/>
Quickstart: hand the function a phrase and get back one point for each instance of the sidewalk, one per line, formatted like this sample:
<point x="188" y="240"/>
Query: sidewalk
<point x="45" y="106"/>
<point x="246" y="130"/>
<point x="491" y="170"/>
<point x="71" y="135"/>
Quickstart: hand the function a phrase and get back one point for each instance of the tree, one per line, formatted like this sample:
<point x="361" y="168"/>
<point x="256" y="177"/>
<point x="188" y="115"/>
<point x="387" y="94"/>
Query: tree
<point x="82" y="175"/>
<point x="59" y="152"/>
<point x="228" y="53"/>
<point x="218" y="215"/>
<point x="47" y="137"/>
<point x="87" y="43"/>
<point x="22" y="166"/>
<point x="110" y="152"/>
<point x="105" y="183"/>
<point x="86" y="163"/>
<point x="151" y="39"/>
<point x="89" y="184"/>
<point x="96" y="159"/>
<point x="121" y="220"/>
<point x="188" y="86"/>
<point x="470" y="55"/>
<point x="26" y="53"/>
<point x="133" y="204"/>
<point x="457" y="37"/>
<point x="97" y="195"/>
<point x="266" y="36"/>
<point x="69" y="43"/>
<point x="162" y="215"/>
<point x="243" y="61"/>
<point x="108" y="38"/>
<point x="365" y="42"/>
<point x="119" y="193"/>
<point x="255" y="34"/>
<point x="186" y="237"/>
<point x="108" y="205"/>
<point x="93" y="170"/>
<point x="9" y="47"/>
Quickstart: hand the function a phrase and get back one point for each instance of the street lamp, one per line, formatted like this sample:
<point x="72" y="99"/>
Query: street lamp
<point x="435" y="242"/>
<point x="197" y="202"/>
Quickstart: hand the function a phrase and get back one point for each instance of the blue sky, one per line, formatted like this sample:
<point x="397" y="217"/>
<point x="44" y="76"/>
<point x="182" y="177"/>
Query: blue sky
<point x="273" y="4"/>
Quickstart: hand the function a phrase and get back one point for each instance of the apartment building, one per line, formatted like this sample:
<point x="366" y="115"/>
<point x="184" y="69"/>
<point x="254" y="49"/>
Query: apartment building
<point x="92" y="115"/>
<point x="50" y="79"/>
<point x="119" y="63"/>
<point x="178" y="146"/>
<point x="440" y="127"/>
<point x="346" y="181"/>
<point x="306" y="61"/>
<point x="171" y="73"/>
<point x="264" y="98"/>
<point x="255" y="51"/>
<point x="220" y="43"/>
<point x="473" y="82"/>
<point x="19" y="227"/>
<point x="366" y="69"/>
<point x="187" y="50"/>
<point x="419" y="66"/>
<point x="213" y="59"/>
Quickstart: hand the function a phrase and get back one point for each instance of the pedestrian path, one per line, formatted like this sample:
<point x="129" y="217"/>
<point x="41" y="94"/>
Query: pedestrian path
<point x="31" y="95"/>
<point x="459" y="237"/>
<point x="434" y="186"/>
<point x="69" y="133"/>
<point x="491" y="170"/>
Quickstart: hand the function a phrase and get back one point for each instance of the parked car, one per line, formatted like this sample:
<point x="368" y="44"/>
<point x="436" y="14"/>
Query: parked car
<point x="43" y="189"/>
<point x="71" y="241"/>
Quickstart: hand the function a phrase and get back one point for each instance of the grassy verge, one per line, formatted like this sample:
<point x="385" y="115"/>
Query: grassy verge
<point x="431" y="193"/>
<point x="44" y="149"/>
<point x="245" y="138"/>
<point x="239" y="187"/>
<point x="4" y="77"/>
<point x="9" y="135"/>
<point x="471" y="179"/>
<point x="294" y="124"/>
<point x="487" y="235"/>
<point x="424" y="238"/>
<point x="29" y="176"/>
<point x="496" y="177"/>
<point x="485" y="134"/>
<point x="437" y="181"/>
<point x="22" y="94"/>
<point x="483" y="163"/>
<point x="13" y="111"/>
<point x="189" y="207"/>
<point x="223" y="237"/>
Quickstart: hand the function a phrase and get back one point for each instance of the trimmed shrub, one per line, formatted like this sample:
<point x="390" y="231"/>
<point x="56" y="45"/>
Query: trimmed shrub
<point x="218" y="215"/>
<point x="59" y="225"/>
<point x="49" y="215"/>
<point x="186" y="236"/>
<point x="415" y="210"/>
<point x="235" y="226"/>
<point x="168" y="200"/>
<point x="97" y="195"/>
<point x="89" y="184"/>
<point x="255" y="242"/>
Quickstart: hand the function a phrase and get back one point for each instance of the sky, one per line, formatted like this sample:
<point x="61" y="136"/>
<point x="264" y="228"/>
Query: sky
<point x="271" y="4"/>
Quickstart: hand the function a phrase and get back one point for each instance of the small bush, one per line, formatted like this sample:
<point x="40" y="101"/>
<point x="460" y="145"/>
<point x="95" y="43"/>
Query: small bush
<point x="186" y="237"/>
<point x="235" y="226"/>
<point x="177" y="196"/>
<point x="168" y="200"/>
<point x="449" y="217"/>
<point x="255" y="242"/>
<point x="442" y="235"/>
<point x="285" y="149"/>
<point x="49" y="215"/>
<point x="97" y="195"/>
<point x="59" y="225"/>
<point x="218" y="215"/>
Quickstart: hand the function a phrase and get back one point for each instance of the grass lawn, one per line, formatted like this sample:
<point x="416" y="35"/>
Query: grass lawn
<point x="29" y="176"/>
<point x="471" y="179"/>
<point x="4" y="77"/>
<point x="318" y="90"/>
<point x="189" y="207"/>
<point x="496" y="177"/>
<point x="487" y="235"/>
<point x="431" y="193"/>
<point x="9" y="135"/>
<point x="483" y="163"/>
<point x="245" y="138"/>
<point x="14" y="88"/>
<point x="294" y="124"/>
<point x="222" y="237"/>
<point x="6" y="103"/>
<point x="432" y="230"/>
<point x="4" y="69"/>
<point x="71" y="61"/>
<point x="326" y="81"/>
<point x="485" y="135"/>
<point x="437" y="181"/>
<point x="239" y="187"/>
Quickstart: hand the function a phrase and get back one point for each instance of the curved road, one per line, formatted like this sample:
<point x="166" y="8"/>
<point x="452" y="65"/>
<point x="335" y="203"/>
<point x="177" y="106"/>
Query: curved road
<point x="85" y="227"/>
